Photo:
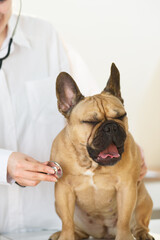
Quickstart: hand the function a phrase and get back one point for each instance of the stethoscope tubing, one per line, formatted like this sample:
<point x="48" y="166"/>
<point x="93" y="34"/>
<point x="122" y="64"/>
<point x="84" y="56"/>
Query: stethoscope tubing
<point x="13" y="33"/>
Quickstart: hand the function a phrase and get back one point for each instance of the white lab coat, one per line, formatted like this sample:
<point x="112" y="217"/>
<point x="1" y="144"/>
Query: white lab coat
<point x="29" y="119"/>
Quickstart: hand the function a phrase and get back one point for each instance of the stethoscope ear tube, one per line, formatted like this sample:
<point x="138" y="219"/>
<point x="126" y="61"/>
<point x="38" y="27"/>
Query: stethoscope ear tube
<point x="18" y="17"/>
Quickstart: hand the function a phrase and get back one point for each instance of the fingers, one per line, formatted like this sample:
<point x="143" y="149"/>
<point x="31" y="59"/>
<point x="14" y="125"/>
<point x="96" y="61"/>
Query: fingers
<point x="45" y="163"/>
<point x="143" y="165"/>
<point x="26" y="183"/>
<point x="37" y="167"/>
<point x="35" y="176"/>
<point x="143" y="171"/>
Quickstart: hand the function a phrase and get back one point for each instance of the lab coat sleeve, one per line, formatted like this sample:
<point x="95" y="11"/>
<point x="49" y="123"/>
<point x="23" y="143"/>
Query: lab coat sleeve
<point x="4" y="155"/>
<point x="80" y="73"/>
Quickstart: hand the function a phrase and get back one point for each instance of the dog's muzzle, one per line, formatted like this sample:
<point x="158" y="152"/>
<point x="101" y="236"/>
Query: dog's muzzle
<point x="108" y="144"/>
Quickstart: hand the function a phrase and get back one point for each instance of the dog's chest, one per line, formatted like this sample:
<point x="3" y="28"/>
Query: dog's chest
<point x="94" y="191"/>
<point x="91" y="182"/>
<point x="96" y="206"/>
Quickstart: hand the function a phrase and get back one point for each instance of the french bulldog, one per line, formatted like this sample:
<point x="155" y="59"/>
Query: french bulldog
<point x="100" y="194"/>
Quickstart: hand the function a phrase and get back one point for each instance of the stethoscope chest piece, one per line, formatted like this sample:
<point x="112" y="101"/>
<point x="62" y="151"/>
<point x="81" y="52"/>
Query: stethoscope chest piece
<point x="57" y="168"/>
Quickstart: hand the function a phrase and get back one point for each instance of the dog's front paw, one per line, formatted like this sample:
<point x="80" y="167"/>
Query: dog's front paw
<point x="55" y="236"/>
<point x="62" y="236"/>
<point x="125" y="237"/>
<point x="144" y="236"/>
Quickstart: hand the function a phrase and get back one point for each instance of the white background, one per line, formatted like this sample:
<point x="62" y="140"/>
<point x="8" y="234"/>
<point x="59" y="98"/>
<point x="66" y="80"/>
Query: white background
<point x="126" y="32"/>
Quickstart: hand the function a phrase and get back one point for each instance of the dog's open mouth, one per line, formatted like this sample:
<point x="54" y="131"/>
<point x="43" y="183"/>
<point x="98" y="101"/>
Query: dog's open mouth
<point x="111" y="151"/>
<point x="108" y="157"/>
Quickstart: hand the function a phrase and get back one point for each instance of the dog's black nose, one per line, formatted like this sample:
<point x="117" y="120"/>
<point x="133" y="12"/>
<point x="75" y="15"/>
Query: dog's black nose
<point x="110" y="128"/>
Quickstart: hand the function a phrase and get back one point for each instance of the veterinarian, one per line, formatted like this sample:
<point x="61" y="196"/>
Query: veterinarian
<point x="29" y="119"/>
<point x="31" y="57"/>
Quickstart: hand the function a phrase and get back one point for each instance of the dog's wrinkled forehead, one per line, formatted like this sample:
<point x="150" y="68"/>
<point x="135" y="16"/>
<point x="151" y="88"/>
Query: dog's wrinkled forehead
<point x="99" y="107"/>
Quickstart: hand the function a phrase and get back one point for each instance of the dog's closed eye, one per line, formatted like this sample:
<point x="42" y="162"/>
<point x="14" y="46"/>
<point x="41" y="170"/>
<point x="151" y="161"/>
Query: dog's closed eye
<point x="90" y="122"/>
<point x="121" y="117"/>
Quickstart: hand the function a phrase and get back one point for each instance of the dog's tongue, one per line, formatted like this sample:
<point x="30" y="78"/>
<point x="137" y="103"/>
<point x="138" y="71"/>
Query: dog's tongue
<point x="111" y="151"/>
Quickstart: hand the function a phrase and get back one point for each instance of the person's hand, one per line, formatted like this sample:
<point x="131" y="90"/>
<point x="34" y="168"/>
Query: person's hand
<point x="26" y="171"/>
<point x="143" y="165"/>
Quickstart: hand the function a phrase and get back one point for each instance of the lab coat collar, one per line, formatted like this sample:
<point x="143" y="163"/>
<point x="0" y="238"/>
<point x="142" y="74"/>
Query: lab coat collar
<point x="19" y="37"/>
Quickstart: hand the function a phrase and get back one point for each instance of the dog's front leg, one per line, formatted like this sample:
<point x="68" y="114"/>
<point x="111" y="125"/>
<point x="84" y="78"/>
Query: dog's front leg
<point x="126" y="200"/>
<point x="65" y="204"/>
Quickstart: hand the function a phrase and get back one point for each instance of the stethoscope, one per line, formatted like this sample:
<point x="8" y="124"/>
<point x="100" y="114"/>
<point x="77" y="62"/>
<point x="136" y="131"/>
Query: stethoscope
<point x="13" y="33"/>
<point x="57" y="168"/>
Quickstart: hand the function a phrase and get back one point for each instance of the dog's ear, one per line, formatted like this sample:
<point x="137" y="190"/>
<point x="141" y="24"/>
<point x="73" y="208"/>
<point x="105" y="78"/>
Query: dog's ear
<point x="68" y="93"/>
<point x="113" y="84"/>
